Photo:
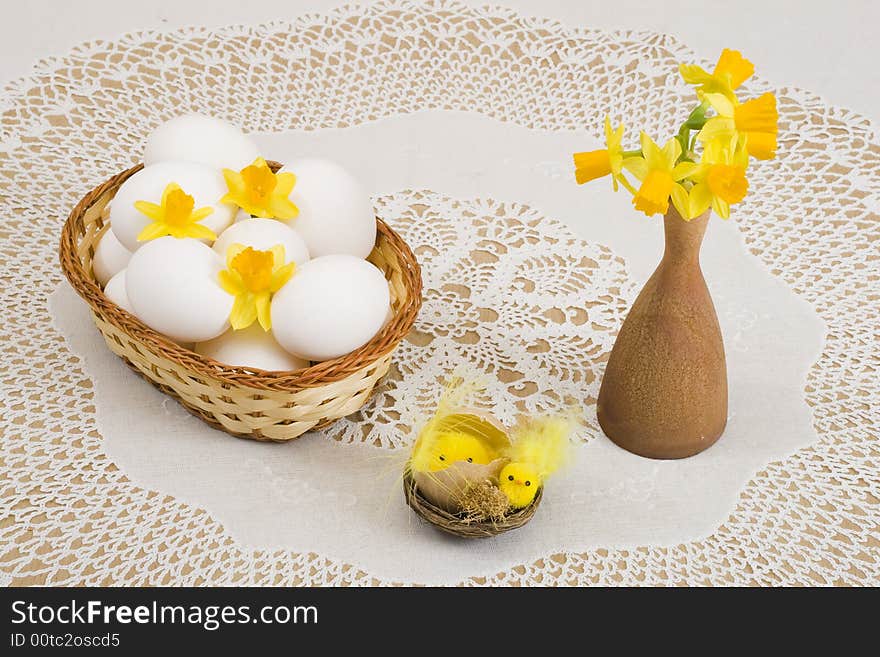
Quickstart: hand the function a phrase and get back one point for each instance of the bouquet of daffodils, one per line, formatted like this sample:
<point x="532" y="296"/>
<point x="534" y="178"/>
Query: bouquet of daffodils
<point x="705" y="164"/>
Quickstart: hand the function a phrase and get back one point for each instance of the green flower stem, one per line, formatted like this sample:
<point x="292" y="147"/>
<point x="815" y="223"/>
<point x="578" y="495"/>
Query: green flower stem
<point x="687" y="134"/>
<point x="694" y="123"/>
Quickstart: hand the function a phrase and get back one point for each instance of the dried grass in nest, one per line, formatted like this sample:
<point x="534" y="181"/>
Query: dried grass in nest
<point x="482" y="500"/>
<point x="461" y="524"/>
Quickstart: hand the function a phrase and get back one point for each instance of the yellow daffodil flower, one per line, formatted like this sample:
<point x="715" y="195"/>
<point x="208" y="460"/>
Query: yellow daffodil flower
<point x="660" y="176"/>
<point x="720" y="179"/>
<point x="260" y="192"/>
<point x="730" y="72"/>
<point x="252" y="277"/>
<point x="590" y="165"/>
<point x="755" y="121"/>
<point x="722" y="131"/>
<point x="174" y="216"/>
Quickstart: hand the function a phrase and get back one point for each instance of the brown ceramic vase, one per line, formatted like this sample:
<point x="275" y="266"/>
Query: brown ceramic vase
<point x="664" y="394"/>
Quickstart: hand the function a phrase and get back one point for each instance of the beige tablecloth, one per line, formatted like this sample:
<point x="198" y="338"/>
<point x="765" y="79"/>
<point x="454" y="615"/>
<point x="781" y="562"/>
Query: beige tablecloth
<point x="78" y="512"/>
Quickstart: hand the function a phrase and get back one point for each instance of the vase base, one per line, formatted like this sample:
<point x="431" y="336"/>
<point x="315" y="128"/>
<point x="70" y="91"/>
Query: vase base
<point x="653" y="446"/>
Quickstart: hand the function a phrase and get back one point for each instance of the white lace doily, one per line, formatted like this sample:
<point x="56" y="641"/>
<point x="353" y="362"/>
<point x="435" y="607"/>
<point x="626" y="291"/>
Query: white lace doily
<point x="81" y="509"/>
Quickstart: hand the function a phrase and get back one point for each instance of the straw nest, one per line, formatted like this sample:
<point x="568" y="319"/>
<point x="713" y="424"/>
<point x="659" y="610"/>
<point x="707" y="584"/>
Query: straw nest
<point x="461" y="524"/>
<point x="245" y="402"/>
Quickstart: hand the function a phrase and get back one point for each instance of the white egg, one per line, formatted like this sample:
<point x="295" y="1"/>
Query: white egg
<point x="110" y="258"/>
<point x="331" y="306"/>
<point x="263" y="234"/>
<point x="335" y="211"/>
<point x="173" y="286"/>
<point x="205" y="184"/>
<point x="198" y="138"/>
<point x="241" y="215"/>
<point x="115" y="291"/>
<point x="250" y="347"/>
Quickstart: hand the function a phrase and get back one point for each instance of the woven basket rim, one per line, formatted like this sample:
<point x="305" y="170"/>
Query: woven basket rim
<point x="317" y="375"/>
<point x="455" y="525"/>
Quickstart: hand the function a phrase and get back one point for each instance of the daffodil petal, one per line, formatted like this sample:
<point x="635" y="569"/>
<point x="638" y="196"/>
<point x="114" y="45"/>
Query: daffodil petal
<point x="637" y="166"/>
<point x="234" y="182"/>
<point x="608" y="131"/>
<point x="719" y="149"/>
<point x="699" y="174"/>
<point x="244" y="312"/>
<point x="626" y="183"/>
<point x="650" y="150"/>
<point x="699" y="199"/>
<point x="683" y="170"/>
<point x="263" y="309"/>
<point x="151" y="210"/>
<point x="231" y="282"/>
<point x="241" y="201"/>
<point x="277" y="255"/>
<point x="281" y="275"/>
<point x="198" y="232"/>
<point x="153" y="231"/>
<point x="718" y="127"/>
<point x="741" y="154"/>
<point x="201" y="213"/>
<point x="282" y="208"/>
<point x="670" y="152"/>
<point x="693" y="74"/>
<point x="721" y="104"/>
<point x="285" y="183"/>
<point x="721" y="207"/>
<point x="680" y="201"/>
<point x="254" y="209"/>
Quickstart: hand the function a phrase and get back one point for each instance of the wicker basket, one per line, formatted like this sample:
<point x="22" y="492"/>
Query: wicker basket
<point x="251" y="403"/>
<point x="458" y="526"/>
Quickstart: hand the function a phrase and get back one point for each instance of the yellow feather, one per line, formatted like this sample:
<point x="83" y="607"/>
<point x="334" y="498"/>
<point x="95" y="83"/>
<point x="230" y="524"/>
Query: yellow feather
<point x="543" y="444"/>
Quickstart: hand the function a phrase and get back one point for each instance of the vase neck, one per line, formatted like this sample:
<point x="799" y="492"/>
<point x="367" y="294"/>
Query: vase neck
<point x="683" y="238"/>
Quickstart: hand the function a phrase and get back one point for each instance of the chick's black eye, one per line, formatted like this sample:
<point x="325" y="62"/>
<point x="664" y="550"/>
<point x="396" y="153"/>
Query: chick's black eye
<point x="442" y="458"/>
<point x="509" y="477"/>
<point x="470" y="460"/>
<point x="528" y="483"/>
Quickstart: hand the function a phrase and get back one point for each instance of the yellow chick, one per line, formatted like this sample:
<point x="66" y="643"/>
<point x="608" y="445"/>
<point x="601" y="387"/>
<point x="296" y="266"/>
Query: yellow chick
<point x="452" y="446"/>
<point x="519" y="483"/>
<point x="538" y="450"/>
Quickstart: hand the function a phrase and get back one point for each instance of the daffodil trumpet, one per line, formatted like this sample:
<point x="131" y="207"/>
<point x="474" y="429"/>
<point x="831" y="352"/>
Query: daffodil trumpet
<point x="705" y="164"/>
